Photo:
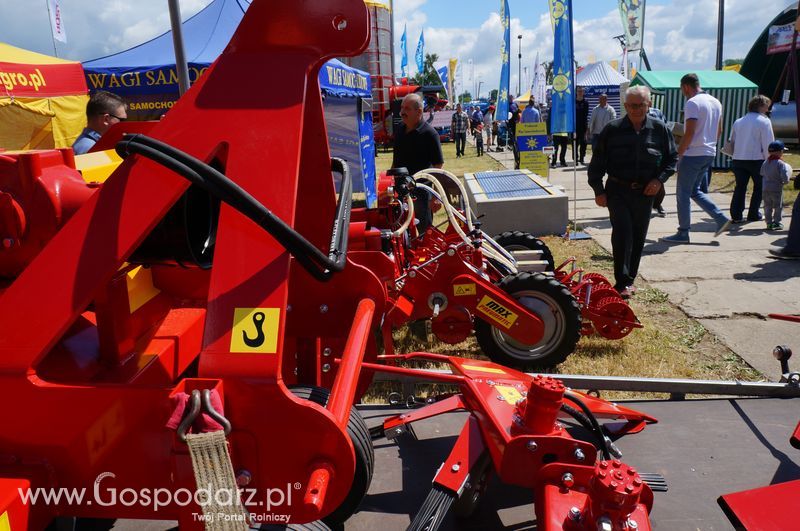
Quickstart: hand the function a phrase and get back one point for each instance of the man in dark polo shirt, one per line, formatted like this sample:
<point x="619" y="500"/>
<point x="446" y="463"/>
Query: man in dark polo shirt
<point x="416" y="144"/>
<point x="638" y="153"/>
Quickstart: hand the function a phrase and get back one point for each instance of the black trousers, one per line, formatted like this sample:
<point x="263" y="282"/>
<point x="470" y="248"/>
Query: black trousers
<point x="744" y="170"/>
<point x="560" y="142"/>
<point x="629" y="211"/>
<point x="580" y="141"/>
<point x="461" y="141"/>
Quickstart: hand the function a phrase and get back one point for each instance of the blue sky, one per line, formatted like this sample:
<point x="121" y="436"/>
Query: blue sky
<point x="679" y="34"/>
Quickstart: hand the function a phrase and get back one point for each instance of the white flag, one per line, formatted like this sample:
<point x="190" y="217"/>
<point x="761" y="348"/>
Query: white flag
<point x="56" y="21"/>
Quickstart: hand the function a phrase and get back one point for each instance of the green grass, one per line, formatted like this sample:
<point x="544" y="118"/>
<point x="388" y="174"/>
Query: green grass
<point x="469" y="163"/>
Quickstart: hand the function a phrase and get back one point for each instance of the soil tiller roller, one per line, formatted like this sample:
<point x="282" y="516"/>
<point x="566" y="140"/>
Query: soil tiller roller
<point x="196" y="326"/>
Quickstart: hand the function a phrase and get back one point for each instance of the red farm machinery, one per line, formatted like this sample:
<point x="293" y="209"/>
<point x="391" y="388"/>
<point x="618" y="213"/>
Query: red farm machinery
<point x="187" y="340"/>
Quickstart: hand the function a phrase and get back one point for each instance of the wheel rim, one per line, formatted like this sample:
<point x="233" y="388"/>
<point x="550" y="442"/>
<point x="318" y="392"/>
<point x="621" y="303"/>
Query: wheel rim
<point x="553" y="318"/>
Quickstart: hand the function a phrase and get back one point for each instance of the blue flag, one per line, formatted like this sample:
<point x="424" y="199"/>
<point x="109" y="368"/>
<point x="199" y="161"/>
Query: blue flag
<point x="404" y="54"/>
<point x="562" y="114"/>
<point x="421" y="53"/>
<point x="505" y="62"/>
<point x="443" y="78"/>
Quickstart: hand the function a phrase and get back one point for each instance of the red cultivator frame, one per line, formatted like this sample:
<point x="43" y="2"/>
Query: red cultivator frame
<point x="190" y="291"/>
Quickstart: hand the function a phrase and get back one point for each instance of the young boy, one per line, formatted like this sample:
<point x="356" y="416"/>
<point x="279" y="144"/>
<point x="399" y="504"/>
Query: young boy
<point x="775" y="173"/>
<point x="479" y="138"/>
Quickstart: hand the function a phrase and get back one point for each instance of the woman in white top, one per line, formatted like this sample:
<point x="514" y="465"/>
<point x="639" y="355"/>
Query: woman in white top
<point x="751" y="136"/>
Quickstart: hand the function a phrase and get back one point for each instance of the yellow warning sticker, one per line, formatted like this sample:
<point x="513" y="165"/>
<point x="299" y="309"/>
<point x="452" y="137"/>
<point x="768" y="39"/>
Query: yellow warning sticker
<point x="510" y="394"/>
<point x="460" y="290"/>
<point x="255" y="330"/>
<point x="478" y="368"/>
<point x="497" y="312"/>
<point x="5" y="525"/>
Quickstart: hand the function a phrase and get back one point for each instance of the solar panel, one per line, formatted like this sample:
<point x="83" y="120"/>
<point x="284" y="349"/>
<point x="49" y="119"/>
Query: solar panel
<point x="506" y="184"/>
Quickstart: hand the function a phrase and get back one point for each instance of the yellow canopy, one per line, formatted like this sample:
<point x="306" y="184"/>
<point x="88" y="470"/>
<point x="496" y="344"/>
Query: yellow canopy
<point x="42" y="100"/>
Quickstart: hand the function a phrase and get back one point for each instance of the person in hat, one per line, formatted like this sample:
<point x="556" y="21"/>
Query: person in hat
<point x="774" y="174"/>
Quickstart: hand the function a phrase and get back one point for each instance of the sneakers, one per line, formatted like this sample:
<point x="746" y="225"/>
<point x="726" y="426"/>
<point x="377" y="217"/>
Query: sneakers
<point x="678" y="237"/>
<point x="738" y="221"/>
<point x="783" y="254"/>
<point x="725" y="225"/>
<point x="774" y="226"/>
<point x="660" y="212"/>
<point x="627" y="292"/>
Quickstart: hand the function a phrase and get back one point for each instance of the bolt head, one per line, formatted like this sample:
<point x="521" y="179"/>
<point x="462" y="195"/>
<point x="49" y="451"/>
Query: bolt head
<point x="567" y="480"/>
<point x="326" y="351"/>
<point x="412" y="274"/>
<point x="632" y="524"/>
<point x="326" y="367"/>
<point x="579" y="455"/>
<point x="500" y="397"/>
<point x="451" y="252"/>
<point x="323" y="308"/>
<point x="243" y="478"/>
<point x="574" y="514"/>
<point x="532" y="446"/>
<point x="455" y="468"/>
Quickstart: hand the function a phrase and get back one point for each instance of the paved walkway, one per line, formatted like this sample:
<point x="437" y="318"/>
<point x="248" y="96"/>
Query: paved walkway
<point x="729" y="284"/>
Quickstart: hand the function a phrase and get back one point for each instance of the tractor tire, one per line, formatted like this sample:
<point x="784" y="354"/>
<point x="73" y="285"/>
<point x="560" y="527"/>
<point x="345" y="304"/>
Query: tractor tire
<point x="365" y="455"/>
<point x="557" y="308"/>
<point x="524" y="241"/>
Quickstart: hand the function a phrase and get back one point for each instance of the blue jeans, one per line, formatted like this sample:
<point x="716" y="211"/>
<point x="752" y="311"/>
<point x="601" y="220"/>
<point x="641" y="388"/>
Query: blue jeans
<point x="691" y="174"/>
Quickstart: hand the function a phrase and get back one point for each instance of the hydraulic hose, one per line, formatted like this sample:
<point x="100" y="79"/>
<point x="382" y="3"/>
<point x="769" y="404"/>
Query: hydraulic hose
<point x="218" y="185"/>
<point x="595" y="426"/>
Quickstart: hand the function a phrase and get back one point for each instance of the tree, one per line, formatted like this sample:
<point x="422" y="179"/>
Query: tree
<point x="465" y="97"/>
<point x="428" y="76"/>
<point x="493" y="95"/>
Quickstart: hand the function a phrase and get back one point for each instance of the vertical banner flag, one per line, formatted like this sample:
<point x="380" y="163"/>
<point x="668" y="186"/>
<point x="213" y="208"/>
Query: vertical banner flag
<point x="404" y="54"/>
<point x="443" y="77"/>
<point x="420" y="56"/>
<point x="539" y="89"/>
<point x="562" y="114"/>
<point x="56" y="22"/>
<point x="451" y="77"/>
<point x="505" y="62"/>
<point x="632" y="14"/>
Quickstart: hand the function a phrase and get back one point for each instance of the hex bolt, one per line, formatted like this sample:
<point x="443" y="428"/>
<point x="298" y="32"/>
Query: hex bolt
<point x="451" y="252"/>
<point x="532" y="446"/>
<point x="579" y="455"/>
<point x="604" y="524"/>
<point x="455" y="468"/>
<point x="326" y="367"/>
<point x="567" y="480"/>
<point x="288" y="307"/>
<point x="632" y="523"/>
<point x="412" y="274"/>
<point x="326" y="351"/>
<point x="575" y="514"/>
<point x="323" y="308"/>
<point x="500" y="397"/>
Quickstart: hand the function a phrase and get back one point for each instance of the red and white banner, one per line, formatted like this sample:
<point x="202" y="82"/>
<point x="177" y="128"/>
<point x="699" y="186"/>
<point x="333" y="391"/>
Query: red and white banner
<point x="56" y="21"/>
<point x="780" y="38"/>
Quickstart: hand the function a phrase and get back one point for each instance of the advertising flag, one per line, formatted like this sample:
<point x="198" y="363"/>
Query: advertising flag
<point x="404" y="54"/>
<point x="505" y="64"/>
<point x="451" y="77"/>
<point x="632" y="14"/>
<point x="443" y="77"/>
<point x="562" y="114"/>
<point x="56" y="21"/>
<point x="420" y="56"/>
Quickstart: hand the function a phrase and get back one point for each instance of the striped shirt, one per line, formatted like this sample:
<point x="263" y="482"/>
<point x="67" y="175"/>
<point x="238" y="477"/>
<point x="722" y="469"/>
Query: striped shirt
<point x="460" y="122"/>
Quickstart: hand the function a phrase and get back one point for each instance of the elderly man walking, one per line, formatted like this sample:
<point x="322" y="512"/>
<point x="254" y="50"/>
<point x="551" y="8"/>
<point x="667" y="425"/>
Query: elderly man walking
<point x="638" y="154"/>
<point x="703" y="124"/>
<point x="601" y="115"/>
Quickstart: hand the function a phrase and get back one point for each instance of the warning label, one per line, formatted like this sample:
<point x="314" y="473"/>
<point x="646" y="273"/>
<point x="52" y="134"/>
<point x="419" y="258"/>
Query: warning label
<point x="255" y="330"/>
<point x="509" y="394"/>
<point x="497" y="312"/>
<point x="460" y="290"/>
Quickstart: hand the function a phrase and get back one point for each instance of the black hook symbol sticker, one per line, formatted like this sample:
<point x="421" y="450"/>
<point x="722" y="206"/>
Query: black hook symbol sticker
<point x="258" y="321"/>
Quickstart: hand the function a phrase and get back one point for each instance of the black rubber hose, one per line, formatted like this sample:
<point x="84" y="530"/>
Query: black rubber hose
<point x="584" y="421"/>
<point x="592" y="420"/>
<point x="218" y="185"/>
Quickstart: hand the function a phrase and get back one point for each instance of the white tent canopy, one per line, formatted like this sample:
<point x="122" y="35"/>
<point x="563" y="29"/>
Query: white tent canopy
<point x="599" y="74"/>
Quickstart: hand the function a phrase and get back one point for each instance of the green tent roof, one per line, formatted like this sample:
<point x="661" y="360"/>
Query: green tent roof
<point x="710" y="79"/>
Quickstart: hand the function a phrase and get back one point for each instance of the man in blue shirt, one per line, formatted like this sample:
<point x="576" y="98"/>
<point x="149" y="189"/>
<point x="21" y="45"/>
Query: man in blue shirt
<point x="531" y="113"/>
<point x="103" y="110"/>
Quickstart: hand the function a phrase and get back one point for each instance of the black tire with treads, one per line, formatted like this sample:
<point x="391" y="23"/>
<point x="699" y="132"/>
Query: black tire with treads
<point x="516" y="239"/>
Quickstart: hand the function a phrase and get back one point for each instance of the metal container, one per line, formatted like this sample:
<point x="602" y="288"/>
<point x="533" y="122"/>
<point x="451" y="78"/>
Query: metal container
<point x="784" y="122"/>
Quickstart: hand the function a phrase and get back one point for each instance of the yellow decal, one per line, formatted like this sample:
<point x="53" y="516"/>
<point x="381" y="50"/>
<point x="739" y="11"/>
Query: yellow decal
<point x="140" y="288"/>
<point x="5" y="525"/>
<point x="497" y="312"/>
<point x="478" y="368"/>
<point x="255" y="330"/>
<point x="463" y="289"/>
<point x="510" y="394"/>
